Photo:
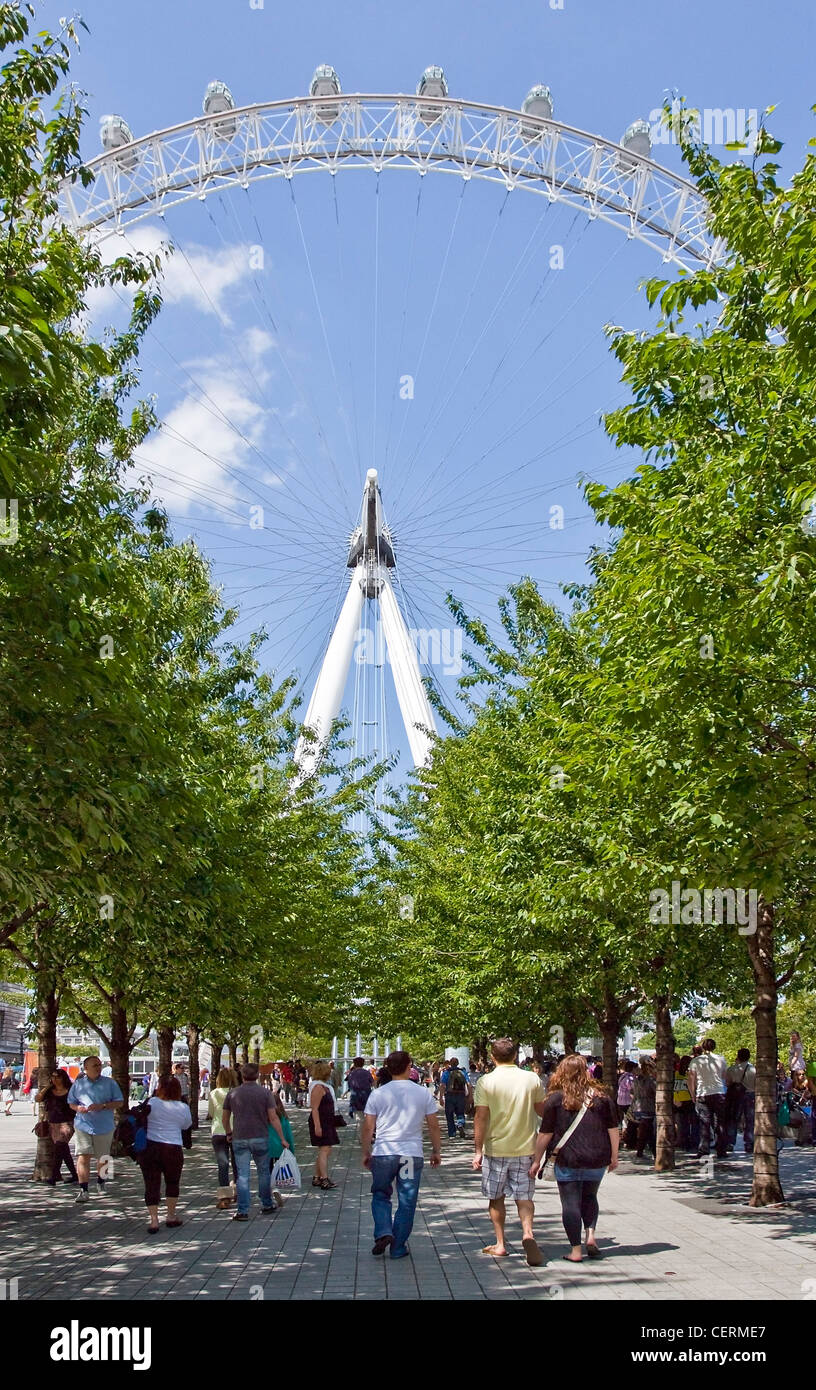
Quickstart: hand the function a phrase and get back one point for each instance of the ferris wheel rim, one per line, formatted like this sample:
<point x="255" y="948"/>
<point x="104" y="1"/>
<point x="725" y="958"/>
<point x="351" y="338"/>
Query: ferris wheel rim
<point x="211" y="175"/>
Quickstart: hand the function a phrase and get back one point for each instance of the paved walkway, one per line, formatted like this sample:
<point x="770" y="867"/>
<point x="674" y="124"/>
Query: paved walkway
<point x="678" y="1236"/>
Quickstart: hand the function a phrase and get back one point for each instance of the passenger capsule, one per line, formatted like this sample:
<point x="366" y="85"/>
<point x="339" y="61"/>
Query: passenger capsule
<point x="116" y="134"/>
<point x="637" y="141"/>
<point x="326" y="83"/>
<point x="539" y="103"/>
<point x="218" y="98"/>
<point x="432" y="83"/>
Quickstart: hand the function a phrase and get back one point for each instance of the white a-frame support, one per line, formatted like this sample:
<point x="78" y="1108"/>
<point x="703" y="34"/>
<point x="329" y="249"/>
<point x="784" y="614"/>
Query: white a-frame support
<point x="371" y="556"/>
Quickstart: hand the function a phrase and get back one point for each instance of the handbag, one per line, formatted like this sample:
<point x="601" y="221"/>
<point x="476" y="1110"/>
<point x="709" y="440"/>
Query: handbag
<point x="42" y="1129"/>
<point x="339" y="1120"/>
<point x="547" y="1169"/>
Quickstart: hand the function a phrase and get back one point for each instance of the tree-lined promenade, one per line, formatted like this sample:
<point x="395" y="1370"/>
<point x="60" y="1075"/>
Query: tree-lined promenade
<point x="163" y="866"/>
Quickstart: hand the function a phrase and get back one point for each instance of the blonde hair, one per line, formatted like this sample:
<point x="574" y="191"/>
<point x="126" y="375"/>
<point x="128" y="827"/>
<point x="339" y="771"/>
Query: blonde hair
<point x="320" y="1071"/>
<point x="226" y="1077"/>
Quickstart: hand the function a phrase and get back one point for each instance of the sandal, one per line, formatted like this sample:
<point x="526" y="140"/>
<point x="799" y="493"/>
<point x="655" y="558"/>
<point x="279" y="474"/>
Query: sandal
<point x="317" y="1182"/>
<point x="326" y="1184"/>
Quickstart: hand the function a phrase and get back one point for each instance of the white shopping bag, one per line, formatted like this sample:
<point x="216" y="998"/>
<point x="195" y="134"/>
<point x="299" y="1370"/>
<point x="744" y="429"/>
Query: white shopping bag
<point x="286" y="1172"/>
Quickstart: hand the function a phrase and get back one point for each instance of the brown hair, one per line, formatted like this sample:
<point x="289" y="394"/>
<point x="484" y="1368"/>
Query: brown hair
<point x="573" y="1080"/>
<point x="169" y="1088"/>
<point x="226" y="1077"/>
<point x="397" y="1062"/>
<point x="504" y="1049"/>
<point x="320" y="1071"/>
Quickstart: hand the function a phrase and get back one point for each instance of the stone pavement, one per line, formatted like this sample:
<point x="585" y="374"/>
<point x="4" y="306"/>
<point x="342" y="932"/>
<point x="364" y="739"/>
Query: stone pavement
<point x="684" y="1235"/>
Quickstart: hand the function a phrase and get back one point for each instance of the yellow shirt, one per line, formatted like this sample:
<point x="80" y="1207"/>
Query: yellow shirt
<point x="510" y="1095"/>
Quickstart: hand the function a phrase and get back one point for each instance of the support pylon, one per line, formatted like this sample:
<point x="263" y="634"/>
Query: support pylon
<point x="371" y="559"/>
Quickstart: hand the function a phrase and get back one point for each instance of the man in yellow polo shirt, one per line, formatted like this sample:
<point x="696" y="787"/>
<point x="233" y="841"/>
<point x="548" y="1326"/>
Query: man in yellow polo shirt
<point x="507" y="1104"/>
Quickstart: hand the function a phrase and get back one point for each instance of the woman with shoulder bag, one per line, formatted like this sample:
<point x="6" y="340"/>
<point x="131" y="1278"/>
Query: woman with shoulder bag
<point x="60" y="1120"/>
<point x="322" y="1123"/>
<point x="580" y="1134"/>
<point x="169" y="1129"/>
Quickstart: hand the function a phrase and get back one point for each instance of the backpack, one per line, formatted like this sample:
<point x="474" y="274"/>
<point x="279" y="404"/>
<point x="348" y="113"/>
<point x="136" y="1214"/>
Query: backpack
<point x="131" y="1132"/>
<point x="456" y="1080"/>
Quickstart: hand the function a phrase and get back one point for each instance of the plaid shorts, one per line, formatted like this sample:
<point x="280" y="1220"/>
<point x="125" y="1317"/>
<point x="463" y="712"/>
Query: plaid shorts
<point x="507" y="1175"/>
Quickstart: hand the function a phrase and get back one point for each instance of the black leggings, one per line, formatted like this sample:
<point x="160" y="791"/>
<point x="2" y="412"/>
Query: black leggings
<point x="161" y="1160"/>
<point x="62" y="1154"/>
<point x="579" y="1206"/>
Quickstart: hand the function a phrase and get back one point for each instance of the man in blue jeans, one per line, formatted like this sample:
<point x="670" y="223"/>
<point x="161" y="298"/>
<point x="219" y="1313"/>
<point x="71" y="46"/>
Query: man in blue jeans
<point x="395" y="1155"/>
<point x="248" y="1112"/>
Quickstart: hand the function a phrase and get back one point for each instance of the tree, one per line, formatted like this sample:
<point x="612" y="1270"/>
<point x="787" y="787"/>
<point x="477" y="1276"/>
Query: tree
<point x="704" y="598"/>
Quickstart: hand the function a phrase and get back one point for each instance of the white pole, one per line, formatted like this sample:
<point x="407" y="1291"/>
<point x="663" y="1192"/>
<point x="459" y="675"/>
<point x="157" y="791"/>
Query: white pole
<point x="334" y="1050"/>
<point x="413" y="701"/>
<point x="374" y="1048"/>
<point x="324" y="705"/>
<point x="358" y="1053"/>
<point x="399" y="1042"/>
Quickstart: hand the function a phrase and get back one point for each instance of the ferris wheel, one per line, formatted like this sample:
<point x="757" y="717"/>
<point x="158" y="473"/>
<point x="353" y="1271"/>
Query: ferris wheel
<point x="329" y="567"/>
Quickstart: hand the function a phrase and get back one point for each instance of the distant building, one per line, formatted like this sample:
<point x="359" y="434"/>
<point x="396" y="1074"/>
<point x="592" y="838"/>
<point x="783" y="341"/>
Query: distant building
<point x="12" y="1019"/>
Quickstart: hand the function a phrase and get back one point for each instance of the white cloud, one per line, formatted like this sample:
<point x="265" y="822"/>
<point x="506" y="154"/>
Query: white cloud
<point x="199" y="277"/>
<point x="216" y="425"/>
<point x="186" y="455"/>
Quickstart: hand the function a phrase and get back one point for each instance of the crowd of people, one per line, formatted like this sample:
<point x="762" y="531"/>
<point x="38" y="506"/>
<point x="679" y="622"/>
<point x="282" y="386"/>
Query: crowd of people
<point x="550" y="1116"/>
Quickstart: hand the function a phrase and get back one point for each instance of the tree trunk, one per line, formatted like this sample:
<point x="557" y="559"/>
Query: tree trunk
<point x="216" y="1048"/>
<point x="233" y="1055"/>
<point x="766" y="1188"/>
<point x="166" y="1038"/>
<point x="664" y="1158"/>
<point x="570" y="1041"/>
<point x="47" y="1014"/>
<point x="193" y="1040"/>
<point x="609" y="1024"/>
<point x="245" y="1052"/>
<point x="120" y="1050"/>
<point x="256" y="1056"/>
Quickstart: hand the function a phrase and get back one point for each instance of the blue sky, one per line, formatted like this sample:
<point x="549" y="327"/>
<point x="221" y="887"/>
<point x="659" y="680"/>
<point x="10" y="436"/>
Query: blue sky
<point x="512" y="367"/>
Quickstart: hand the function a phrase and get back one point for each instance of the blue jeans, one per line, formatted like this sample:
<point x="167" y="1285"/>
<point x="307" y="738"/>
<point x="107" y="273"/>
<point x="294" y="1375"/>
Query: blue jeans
<point x="454" y="1111"/>
<point x="244" y="1149"/>
<point x="407" y="1173"/>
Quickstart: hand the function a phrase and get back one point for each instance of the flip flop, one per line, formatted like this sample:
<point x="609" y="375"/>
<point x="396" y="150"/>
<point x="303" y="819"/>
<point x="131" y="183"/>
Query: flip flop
<point x="489" y="1250"/>
<point x="532" y="1251"/>
<point x="593" y="1252"/>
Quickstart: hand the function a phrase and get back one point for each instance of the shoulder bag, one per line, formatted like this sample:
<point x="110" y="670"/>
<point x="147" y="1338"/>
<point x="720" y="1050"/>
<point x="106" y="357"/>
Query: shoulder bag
<point x="547" y="1169"/>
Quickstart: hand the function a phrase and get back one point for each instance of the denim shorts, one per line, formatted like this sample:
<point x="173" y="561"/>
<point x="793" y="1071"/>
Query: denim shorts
<point x="564" y="1174"/>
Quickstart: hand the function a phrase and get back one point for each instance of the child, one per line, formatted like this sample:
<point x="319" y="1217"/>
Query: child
<point x="274" y="1145"/>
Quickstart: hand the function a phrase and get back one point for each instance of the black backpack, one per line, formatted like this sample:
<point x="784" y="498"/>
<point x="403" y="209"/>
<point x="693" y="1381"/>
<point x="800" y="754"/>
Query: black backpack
<point x="131" y="1132"/>
<point x="456" y="1080"/>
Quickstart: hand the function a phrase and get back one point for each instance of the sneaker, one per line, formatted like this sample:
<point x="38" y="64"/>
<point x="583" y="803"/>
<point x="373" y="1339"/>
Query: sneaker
<point x="268" y="1211"/>
<point x="82" y="1195"/>
<point x="277" y="1198"/>
<point x="240" y="1216"/>
<point x="101" y="1189"/>
<point x="381" y="1244"/>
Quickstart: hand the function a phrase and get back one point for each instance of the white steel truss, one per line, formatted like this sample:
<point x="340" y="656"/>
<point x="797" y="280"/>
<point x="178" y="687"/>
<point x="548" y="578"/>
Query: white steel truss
<point x="282" y="138"/>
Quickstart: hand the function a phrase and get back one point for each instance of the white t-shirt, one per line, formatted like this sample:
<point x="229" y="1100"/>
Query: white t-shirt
<point x="400" y="1108"/>
<point x="709" y="1070"/>
<point x="166" y="1120"/>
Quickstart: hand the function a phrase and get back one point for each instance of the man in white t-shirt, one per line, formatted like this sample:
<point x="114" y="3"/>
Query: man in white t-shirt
<point x="397" y="1109"/>
<point x="706" y="1079"/>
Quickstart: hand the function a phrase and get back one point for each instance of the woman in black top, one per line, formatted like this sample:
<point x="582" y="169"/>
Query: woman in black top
<point x="591" y="1149"/>
<point x="60" y="1117"/>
